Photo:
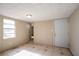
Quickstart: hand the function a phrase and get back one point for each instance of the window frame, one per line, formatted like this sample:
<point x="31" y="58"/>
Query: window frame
<point x="5" y="24"/>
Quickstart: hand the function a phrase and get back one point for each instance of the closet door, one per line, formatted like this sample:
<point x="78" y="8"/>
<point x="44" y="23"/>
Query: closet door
<point x="61" y="33"/>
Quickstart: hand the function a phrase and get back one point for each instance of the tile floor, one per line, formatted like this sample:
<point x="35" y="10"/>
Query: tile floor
<point x="31" y="49"/>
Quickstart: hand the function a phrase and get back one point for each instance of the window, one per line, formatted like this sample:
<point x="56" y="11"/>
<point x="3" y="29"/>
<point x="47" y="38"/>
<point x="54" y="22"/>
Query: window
<point x="8" y="28"/>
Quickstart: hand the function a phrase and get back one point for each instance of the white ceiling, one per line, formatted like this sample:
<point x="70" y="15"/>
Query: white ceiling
<point x="39" y="11"/>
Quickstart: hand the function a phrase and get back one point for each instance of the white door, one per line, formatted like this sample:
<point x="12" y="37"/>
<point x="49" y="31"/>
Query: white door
<point x="61" y="33"/>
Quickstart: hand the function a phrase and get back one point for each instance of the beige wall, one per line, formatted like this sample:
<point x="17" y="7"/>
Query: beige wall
<point x="43" y="32"/>
<point x="22" y="35"/>
<point x="74" y="32"/>
<point x="1" y="34"/>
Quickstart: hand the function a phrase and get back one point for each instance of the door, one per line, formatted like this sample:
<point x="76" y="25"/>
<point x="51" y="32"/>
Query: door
<point x="61" y="33"/>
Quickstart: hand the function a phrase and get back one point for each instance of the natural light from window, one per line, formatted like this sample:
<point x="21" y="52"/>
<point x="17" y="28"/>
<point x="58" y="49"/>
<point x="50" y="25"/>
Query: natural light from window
<point x="8" y="28"/>
<point x="26" y="53"/>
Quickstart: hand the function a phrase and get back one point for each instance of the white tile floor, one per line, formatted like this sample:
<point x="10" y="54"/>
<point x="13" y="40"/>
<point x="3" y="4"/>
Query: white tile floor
<point x="31" y="49"/>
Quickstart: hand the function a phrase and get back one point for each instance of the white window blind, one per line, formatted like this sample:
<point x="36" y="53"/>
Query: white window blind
<point x="8" y="28"/>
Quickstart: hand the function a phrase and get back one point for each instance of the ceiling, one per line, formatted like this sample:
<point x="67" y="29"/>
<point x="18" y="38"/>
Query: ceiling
<point x="39" y="11"/>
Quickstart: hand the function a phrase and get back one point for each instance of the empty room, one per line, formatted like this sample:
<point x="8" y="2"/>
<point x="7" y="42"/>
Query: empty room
<point x="39" y="29"/>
